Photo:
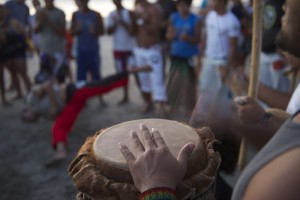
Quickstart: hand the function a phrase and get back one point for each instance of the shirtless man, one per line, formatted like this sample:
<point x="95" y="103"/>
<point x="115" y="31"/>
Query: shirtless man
<point x="149" y="62"/>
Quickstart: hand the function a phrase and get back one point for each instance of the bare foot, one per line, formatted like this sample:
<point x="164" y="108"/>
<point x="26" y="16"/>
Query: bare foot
<point x="58" y="157"/>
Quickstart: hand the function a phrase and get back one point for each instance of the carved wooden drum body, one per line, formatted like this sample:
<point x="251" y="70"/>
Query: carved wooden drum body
<point x="101" y="172"/>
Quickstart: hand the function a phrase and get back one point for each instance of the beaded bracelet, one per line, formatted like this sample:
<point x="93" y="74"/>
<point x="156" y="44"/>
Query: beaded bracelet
<point x="160" y="193"/>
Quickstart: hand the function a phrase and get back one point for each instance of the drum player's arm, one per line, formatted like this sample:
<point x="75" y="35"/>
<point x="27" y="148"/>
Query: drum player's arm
<point x="253" y="123"/>
<point x="274" y="98"/>
<point x="148" y="167"/>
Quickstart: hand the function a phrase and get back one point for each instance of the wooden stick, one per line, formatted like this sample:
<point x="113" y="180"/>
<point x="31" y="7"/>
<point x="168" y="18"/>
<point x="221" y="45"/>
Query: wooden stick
<point x="254" y="73"/>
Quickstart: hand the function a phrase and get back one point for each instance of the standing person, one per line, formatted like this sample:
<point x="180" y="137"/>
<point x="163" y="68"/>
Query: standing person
<point x="184" y="33"/>
<point x="121" y="26"/>
<point x="87" y="26"/>
<point x="167" y="7"/>
<point x="218" y="53"/>
<point x="50" y="25"/>
<point x="148" y="55"/>
<point x="272" y="65"/>
<point x="18" y="13"/>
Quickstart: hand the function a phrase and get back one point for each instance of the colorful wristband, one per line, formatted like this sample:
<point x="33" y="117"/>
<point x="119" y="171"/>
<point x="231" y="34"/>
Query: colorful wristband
<point x="160" y="193"/>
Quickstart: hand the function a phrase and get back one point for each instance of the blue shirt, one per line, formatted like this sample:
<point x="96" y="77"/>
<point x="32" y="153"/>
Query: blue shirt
<point x="18" y="11"/>
<point x="87" y="42"/>
<point x="187" y="25"/>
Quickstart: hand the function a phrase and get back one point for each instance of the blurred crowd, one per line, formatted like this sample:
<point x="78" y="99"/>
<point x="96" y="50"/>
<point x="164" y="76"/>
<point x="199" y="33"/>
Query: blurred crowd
<point x="176" y="56"/>
<point x="179" y="57"/>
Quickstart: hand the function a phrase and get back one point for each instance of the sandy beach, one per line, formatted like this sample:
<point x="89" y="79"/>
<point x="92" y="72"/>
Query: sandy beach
<point x="25" y="147"/>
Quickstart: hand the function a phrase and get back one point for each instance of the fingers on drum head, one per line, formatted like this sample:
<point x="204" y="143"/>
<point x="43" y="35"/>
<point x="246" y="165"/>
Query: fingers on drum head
<point x="129" y="157"/>
<point x="159" y="140"/>
<point x="137" y="144"/>
<point x="149" y="143"/>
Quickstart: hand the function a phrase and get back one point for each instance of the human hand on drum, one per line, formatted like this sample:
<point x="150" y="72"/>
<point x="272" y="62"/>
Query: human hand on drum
<point x="154" y="165"/>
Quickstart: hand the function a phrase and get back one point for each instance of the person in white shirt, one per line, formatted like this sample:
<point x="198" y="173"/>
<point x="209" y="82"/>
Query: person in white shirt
<point x="121" y="27"/>
<point x="219" y="49"/>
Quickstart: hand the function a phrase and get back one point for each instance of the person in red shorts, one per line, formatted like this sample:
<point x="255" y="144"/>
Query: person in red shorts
<point x="63" y="103"/>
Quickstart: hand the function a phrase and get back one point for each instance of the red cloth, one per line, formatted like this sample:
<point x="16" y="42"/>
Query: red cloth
<point x="67" y="117"/>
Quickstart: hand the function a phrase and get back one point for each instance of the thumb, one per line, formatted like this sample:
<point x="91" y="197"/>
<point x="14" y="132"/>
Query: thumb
<point x="185" y="153"/>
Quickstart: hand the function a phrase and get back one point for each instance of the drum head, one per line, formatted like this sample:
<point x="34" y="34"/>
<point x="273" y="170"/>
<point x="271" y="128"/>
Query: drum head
<point x="111" y="161"/>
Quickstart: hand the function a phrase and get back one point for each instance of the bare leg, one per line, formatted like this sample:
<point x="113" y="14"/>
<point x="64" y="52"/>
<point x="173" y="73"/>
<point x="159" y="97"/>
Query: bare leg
<point x="2" y="85"/>
<point x="148" y="102"/>
<point x="22" y="71"/>
<point x="102" y="102"/>
<point x="15" y="81"/>
<point x="125" y="97"/>
<point x="162" y="110"/>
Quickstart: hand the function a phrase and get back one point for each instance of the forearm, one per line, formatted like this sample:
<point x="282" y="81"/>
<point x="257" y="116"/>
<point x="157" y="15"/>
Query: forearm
<point x="99" y="26"/>
<point x="232" y="53"/>
<point x="192" y="39"/>
<point x="274" y="98"/>
<point x="144" y="68"/>
<point x="74" y="31"/>
<point x="196" y="36"/>
<point x="259" y="134"/>
<point x="170" y="36"/>
<point x="231" y="64"/>
<point x="38" y="27"/>
<point x="111" y="29"/>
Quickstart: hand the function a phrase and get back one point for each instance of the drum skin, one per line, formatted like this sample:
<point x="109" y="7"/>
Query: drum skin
<point x="99" y="171"/>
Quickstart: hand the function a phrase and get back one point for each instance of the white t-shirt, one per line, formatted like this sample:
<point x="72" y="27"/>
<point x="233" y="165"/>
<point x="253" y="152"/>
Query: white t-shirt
<point x="122" y="40"/>
<point x="219" y="29"/>
<point x="294" y="104"/>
